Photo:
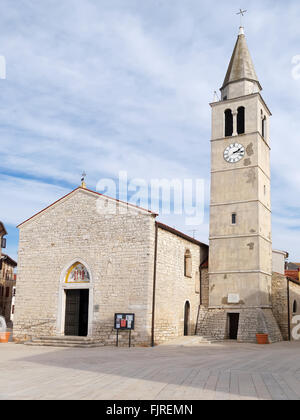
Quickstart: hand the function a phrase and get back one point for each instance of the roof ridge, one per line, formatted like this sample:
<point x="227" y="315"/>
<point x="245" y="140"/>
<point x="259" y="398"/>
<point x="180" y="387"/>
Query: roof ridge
<point x="90" y="191"/>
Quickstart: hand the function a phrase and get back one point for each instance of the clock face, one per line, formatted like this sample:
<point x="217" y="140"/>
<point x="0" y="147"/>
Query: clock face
<point x="234" y="153"/>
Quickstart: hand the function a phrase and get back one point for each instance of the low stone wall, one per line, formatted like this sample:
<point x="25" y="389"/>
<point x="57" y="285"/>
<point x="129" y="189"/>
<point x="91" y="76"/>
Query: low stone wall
<point x="214" y="323"/>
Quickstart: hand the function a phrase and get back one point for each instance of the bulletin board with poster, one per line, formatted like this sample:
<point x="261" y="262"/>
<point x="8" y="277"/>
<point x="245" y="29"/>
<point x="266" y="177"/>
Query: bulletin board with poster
<point x="124" y="322"/>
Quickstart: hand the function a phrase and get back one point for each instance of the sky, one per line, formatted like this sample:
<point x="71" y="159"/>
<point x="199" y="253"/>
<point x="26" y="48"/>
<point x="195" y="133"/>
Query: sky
<point x="125" y="85"/>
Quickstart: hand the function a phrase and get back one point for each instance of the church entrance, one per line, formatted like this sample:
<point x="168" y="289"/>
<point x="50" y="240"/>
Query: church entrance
<point x="186" y="318"/>
<point x="233" y="320"/>
<point x="77" y="312"/>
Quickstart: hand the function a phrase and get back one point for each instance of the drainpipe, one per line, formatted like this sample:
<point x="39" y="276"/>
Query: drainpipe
<point x="289" y="311"/>
<point x="200" y="300"/>
<point x="154" y="286"/>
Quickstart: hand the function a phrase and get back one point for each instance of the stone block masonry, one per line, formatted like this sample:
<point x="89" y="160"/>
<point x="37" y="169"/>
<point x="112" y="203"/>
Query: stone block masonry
<point x="117" y="249"/>
<point x="214" y="323"/>
<point x="174" y="289"/>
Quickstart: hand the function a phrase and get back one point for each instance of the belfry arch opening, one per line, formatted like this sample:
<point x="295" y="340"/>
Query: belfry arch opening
<point x="228" y="123"/>
<point x="241" y="120"/>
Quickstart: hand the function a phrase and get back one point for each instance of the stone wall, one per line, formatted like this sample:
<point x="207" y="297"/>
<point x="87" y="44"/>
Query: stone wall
<point x="280" y="303"/>
<point x="173" y="288"/>
<point x="214" y="324"/>
<point x="294" y="291"/>
<point x="117" y="249"/>
<point x="204" y="287"/>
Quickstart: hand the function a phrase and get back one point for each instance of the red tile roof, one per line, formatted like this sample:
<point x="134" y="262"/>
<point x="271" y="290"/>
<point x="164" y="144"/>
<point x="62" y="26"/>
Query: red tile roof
<point x="292" y="274"/>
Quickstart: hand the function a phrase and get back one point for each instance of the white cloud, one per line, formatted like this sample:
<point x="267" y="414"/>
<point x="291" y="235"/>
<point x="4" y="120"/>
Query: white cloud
<point x="22" y="198"/>
<point x="109" y="86"/>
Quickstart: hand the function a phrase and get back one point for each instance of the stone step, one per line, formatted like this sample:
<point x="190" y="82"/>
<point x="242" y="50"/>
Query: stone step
<point x="82" y="342"/>
<point x="65" y="338"/>
<point x="61" y="344"/>
<point x="207" y="340"/>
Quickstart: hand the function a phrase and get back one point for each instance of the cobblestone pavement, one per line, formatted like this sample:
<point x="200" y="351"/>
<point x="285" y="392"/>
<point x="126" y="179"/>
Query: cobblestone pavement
<point x="184" y="369"/>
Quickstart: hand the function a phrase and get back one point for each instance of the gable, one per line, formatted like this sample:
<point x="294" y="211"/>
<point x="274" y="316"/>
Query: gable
<point x="98" y="203"/>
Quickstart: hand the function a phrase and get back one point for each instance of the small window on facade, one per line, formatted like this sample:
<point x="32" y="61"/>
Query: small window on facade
<point x="228" y="123"/>
<point x="233" y="218"/>
<point x="188" y="264"/>
<point x="263" y="128"/>
<point x="7" y="292"/>
<point x="295" y="307"/>
<point x="241" y="120"/>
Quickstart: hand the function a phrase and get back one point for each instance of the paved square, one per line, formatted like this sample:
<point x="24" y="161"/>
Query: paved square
<point x="184" y="369"/>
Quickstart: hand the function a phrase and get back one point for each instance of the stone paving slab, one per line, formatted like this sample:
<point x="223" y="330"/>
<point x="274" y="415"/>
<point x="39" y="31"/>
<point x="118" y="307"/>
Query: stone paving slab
<point x="183" y="369"/>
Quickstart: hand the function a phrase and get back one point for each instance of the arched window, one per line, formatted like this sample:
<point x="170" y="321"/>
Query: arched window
<point x="295" y="307"/>
<point x="228" y="123"/>
<point x="188" y="263"/>
<point x="241" y="120"/>
<point x="263" y="127"/>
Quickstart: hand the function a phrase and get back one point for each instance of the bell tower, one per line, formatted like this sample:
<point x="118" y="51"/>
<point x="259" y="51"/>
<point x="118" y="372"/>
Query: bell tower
<point x="240" y="256"/>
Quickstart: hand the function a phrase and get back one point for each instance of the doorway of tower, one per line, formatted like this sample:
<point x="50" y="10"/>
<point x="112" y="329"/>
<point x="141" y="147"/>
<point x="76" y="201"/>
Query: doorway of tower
<point x="186" y="318"/>
<point x="77" y="313"/>
<point x="233" y="326"/>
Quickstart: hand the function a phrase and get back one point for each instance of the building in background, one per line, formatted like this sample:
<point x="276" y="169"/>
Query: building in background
<point x="291" y="266"/>
<point x="285" y="293"/>
<point x="7" y="280"/>
<point x="2" y="239"/>
<point x="7" y="288"/>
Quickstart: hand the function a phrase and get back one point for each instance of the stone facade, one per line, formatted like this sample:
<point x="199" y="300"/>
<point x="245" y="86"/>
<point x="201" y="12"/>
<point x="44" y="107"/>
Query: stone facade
<point x="116" y="244"/>
<point x="214" y="324"/>
<point x="117" y="250"/>
<point x="286" y="303"/>
<point x="280" y="303"/>
<point x="204" y="287"/>
<point x="294" y="303"/>
<point x="173" y="288"/>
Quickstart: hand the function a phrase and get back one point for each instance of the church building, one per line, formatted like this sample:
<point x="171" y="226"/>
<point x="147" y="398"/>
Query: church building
<point x="88" y="257"/>
<point x="80" y="269"/>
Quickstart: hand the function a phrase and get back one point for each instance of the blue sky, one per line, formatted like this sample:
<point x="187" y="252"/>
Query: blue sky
<point x="118" y="85"/>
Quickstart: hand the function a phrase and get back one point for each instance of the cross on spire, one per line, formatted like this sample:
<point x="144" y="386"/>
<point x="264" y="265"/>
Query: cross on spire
<point x="83" y="184"/>
<point x="242" y="14"/>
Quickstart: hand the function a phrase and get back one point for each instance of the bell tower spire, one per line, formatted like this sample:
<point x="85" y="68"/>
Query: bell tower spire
<point x="241" y="78"/>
